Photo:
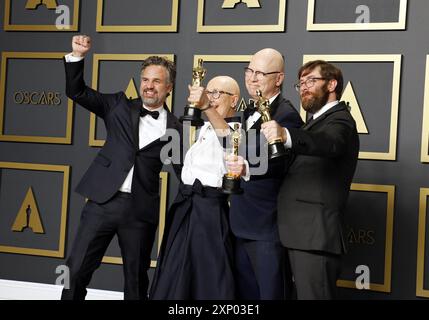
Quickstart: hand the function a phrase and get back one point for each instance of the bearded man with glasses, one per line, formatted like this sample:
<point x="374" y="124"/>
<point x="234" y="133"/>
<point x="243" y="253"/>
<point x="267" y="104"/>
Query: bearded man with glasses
<point x="313" y="194"/>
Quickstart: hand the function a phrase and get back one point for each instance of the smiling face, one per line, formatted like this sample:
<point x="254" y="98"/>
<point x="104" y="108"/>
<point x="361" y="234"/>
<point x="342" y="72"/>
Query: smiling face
<point x="266" y="61"/>
<point x="227" y="101"/>
<point x="154" y="86"/>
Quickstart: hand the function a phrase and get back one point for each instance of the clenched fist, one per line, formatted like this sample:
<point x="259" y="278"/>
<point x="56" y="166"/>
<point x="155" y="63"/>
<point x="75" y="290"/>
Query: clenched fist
<point x="235" y="165"/>
<point x="81" y="45"/>
<point x="273" y="131"/>
<point x="198" y="97"/>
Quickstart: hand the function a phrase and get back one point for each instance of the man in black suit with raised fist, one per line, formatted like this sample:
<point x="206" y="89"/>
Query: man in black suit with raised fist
<point x="122" y="183"/>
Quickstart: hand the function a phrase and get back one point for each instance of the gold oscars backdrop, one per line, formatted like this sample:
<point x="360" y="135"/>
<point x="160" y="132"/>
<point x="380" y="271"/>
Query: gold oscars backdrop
<point x="47" y="142"/>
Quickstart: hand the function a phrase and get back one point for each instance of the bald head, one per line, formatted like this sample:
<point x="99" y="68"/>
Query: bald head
<point x="227" y="101"/>
<point x="226" y="84"/>
<point x="266" y="73"/>
<point x="271" y="58"/>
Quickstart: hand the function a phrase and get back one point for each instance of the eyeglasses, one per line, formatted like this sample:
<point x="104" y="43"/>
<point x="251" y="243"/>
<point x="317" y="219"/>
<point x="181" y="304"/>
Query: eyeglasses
<point x="258" y="74"/>
<point x="215" y="94"/>
<point x="308" y="83"/>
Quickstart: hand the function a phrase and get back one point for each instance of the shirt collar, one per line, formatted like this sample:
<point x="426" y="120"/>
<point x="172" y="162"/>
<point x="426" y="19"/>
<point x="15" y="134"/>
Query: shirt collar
<point x="159" y="109"/>
<point x="273" y="97"/>
<point x="325" y="108"/>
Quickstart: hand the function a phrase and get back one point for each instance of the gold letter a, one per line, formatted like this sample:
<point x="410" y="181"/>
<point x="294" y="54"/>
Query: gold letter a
<point x="33" y="4"/>
<point x="28" y="216"/>
<point x="230" y="4"/>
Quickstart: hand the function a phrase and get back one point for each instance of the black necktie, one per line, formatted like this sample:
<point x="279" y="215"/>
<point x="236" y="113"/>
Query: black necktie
<point x="145" y="112"/>
<point x="308" y="122"/>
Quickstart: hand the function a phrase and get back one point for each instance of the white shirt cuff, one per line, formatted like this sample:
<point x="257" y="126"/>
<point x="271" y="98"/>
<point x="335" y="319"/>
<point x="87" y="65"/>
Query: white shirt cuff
<point x="247" y="176"/>
<point x="71" y="58"/>
<point x="288" y="143"/>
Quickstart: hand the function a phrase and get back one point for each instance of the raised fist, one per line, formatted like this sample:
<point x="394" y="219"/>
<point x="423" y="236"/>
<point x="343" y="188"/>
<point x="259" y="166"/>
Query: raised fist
<point x="81" y="45"/>
<point x="198" y="97"/>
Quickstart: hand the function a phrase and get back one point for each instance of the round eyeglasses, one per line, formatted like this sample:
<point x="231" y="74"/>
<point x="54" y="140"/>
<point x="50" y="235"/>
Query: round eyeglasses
<point x="310" y="82"/>
<point x="215" y="94"/>
<point x="248" y="72"/>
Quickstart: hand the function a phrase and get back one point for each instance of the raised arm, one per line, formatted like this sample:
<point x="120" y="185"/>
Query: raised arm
<point x="76" y="89"/>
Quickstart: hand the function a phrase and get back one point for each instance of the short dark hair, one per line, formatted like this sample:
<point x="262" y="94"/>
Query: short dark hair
<point x="161" y="61"/>
<point x="327" y="70"/>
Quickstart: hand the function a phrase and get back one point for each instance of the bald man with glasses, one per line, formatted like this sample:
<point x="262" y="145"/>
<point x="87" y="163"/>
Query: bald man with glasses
<point x="259" y="256"/>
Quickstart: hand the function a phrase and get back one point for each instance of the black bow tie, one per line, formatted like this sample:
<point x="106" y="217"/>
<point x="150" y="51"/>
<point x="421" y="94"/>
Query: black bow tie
<point x="252" y="109"/>
<point x="145" y="112"/>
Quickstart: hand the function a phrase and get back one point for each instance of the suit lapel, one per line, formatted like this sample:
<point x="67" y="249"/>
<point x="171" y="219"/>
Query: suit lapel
<point x="171" y="119"/>
<point x="275" y="105"/>
<point x="136" y="105"/>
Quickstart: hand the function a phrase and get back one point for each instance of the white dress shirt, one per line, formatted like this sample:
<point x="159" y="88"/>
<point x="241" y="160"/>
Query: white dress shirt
<point x="326" y="107"/>
<point x="150" y="129"/>
<point x="205" y="160"/>
<point x="71" y="58"/>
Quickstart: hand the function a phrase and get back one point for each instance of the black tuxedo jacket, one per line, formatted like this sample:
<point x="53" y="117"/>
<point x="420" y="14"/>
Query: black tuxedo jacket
<point x="253" y="214"/>
<point x="314" y="192"/>
<point x="121" y="149"/>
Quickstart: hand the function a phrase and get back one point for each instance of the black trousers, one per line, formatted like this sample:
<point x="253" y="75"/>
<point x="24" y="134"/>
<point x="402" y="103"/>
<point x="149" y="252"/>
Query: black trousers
<point x="315" y="274"/>
<point x="261" y="271"/>
<point x="98" y="225"/>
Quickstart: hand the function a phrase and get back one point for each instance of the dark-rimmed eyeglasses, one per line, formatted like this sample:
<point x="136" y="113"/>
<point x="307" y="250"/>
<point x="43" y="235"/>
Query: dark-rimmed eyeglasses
<point x="215" y="94"/>
<point x="258" y="74"/>
<point x="310" y="82"/>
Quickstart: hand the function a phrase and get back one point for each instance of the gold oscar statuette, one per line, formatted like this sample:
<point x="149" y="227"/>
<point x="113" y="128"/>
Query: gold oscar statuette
<point x="276" y="147"/>
<point x="192" y="112"/>
<point x="231" y="181"/>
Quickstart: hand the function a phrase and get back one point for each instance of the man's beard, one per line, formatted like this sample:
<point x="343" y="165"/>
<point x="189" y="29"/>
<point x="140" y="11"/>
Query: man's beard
<point x="151" y="102"/>
<point x="315" y="101"/>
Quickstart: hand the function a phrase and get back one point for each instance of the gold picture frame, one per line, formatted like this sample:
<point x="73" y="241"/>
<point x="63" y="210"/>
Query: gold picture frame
<point x="399" y="25"/>
<point x="162" y="214"/>
<point x="172" y="27"/>
<point x="396" y="59"/>
<point x="420" y="290"/>
<point x="93" y="141"/>
<point x="390" y="191"/>
<point x="32" y="139"/>
<point x="424" y="155"/>
<point x="31" y="27"/>
<point x="279" y="27"/>
<point x="59" y="253"/>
